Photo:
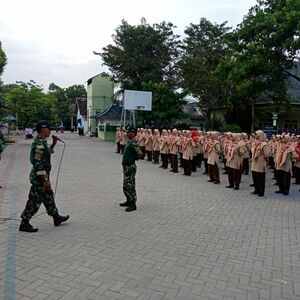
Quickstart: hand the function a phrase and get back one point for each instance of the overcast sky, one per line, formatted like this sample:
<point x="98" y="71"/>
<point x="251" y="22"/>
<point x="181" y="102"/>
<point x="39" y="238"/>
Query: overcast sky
<point x="52" y="41"/>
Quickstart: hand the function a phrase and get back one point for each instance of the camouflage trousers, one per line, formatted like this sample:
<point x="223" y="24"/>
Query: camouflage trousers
<point x="129" y="182"/>
<point x="36" y="197"/>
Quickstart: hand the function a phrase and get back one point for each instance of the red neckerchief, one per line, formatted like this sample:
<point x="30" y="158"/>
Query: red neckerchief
<point x="283" y="150"/>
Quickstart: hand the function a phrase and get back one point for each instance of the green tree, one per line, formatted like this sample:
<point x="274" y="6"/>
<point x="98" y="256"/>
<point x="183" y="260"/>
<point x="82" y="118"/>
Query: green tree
<point x="166" y="106"/>
<point x="2" y="59"/>
<point x="204" y="48"/>
<point x="265" y="46"/>
<point x="142" y="53"/>
<point x="66" y="98"/>
<point x="28" y="103"/>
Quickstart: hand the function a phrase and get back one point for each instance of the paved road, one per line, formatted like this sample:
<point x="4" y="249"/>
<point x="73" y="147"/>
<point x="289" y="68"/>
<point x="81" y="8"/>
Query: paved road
<point x="189" y="239"/>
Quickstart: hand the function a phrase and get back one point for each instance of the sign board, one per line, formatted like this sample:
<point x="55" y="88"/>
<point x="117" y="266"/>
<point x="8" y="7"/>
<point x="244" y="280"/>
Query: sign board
<point x="137" y="100"/>
<point x="269" y="130"/>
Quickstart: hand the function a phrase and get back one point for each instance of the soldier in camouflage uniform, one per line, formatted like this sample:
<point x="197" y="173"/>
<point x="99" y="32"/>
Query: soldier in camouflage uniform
<point x="41" y="191"/>
<point x="132" y="152"/>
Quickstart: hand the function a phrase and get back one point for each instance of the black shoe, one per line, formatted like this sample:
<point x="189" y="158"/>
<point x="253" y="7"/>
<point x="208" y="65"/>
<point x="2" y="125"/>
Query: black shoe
<point x="132" y="207"/>
<point x="27" y="227"/>
<point x="279" y="192"/>
<point x="254" y="193"/>
<point x="204" y="173"/>
<point x="59" y="219"/>
<point x="174" y="171"/>
<point x="125" y="204"/>
<point x="225" y="173"/>
<point x="285" y="193"/>
<point x="260" y="195"/>
<point x="236" y="188"/>
<point x="229" y="186"/>
<point x="217" y="182"/>
<point x="171" y="170"/>
<point x="210" y="180"/>
<point x="252" y="184"/>
<point x="161" y="166"/>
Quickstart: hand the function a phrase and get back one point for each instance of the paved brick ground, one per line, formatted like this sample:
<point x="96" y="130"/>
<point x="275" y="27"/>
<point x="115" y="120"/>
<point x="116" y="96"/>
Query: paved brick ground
<point x="189" y="239"/>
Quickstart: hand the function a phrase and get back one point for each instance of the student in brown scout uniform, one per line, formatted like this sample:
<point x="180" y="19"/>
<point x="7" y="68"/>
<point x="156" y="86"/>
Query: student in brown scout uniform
<point x="187" y="153"/>
<point x="155" y="144"/>
<point x="164" y="149"/>
<point x="260" y="155"/>
<point x="174" y="144"/>
<point x="213" y="158"/>
<point x="205" y="154"/>
<point x="235" y="162"/>
<point x="123" y="140"/>
<point x="142" y="142"/>
<point x="246" y="155"/>
<point x="149" y="144"/>
<point x="284" y="165"/>
<point x="194" y="149"/>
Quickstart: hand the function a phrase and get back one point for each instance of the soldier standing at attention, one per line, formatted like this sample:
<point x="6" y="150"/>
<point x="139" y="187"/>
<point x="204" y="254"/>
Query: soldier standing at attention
<point x="41" y="191"/>
<point x="132" y="152"/>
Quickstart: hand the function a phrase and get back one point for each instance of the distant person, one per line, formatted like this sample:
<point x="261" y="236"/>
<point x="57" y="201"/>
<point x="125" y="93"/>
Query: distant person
<point x="260" y="156"/>
<point x="132" y="152"/>
<point x="80" y="129"/>
<point x="41" y="191"/>
<point x="28" y="133"/>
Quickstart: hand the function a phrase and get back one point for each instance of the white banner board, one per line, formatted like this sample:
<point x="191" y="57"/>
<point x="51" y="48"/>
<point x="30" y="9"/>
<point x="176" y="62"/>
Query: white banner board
<point x="137" y="100"/>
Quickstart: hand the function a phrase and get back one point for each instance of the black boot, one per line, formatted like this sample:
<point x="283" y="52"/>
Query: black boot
<point x="59" y="219"/>
<point x="27" y="227"/>
<point x="131" y="207"/>
<point x="126" y="203"/>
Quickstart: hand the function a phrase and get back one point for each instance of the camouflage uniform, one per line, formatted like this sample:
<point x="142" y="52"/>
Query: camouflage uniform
<point x="132" y="153"/>
<point x="40" y="158"/>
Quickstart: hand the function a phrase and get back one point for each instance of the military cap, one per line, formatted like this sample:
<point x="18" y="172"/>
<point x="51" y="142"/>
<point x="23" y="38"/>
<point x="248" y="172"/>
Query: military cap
<point x="42" y="124"/>
<point x="131" y="129"/>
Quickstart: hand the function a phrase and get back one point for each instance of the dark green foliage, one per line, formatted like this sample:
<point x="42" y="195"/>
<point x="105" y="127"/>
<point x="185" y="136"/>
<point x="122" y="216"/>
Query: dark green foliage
<point x="166" y="106"/>
<point x="231" y="128"/>
<point x="142" y="53"/>
<point x="28" y="103"/>
<point x="65" y="101"/>
<point x="3" y="59"/>
<point x="264" y="45"/>
<point x="204" y="49"/>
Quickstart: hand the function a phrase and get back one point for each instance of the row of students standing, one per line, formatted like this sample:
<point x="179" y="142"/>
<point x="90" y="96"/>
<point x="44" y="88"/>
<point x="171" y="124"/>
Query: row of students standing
<point x="191" y="148"/>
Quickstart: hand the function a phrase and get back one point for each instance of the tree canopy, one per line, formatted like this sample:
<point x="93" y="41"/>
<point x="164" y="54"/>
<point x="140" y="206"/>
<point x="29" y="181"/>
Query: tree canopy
<point x="65" y="99"/>
<point x="3" y="59"/>
<point x="142" y="53"/>
<point x="29" y="103"/>
<point x="266" y="45"/>
<point x="204" y="48"/>
<point x="166" y="105"/>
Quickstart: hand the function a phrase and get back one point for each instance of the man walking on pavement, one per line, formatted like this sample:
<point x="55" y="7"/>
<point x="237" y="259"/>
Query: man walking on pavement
<point x="132" y="152"/>
<point x="41" y="191"/>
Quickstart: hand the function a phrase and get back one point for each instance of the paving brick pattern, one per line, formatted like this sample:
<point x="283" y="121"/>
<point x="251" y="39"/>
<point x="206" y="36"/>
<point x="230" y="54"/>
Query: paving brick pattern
<point x="189" y="239"/>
